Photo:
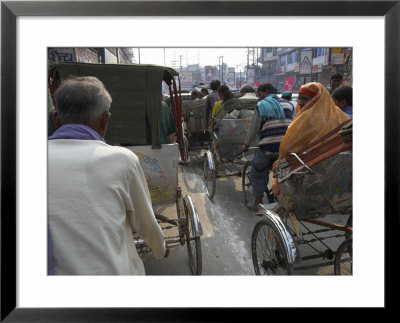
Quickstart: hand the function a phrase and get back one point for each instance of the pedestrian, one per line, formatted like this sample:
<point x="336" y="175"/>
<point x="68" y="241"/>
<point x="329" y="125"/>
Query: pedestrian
<point x="203" y="93"/>
<point x="343" y="98"/>
<point x="336" y="81"/>
<point x="194" y="95"/>
<point x="287" y="95"/>
<point x="305" y="95"/>
<point x="269" y="123"/>
<point x="248" y="102"/>
<point x="224" y="95"/>
<point x="97" y="193"/>
<point x="211" y="99"/>
<point x="167" y="126"/>
<point x="317" y="116"/>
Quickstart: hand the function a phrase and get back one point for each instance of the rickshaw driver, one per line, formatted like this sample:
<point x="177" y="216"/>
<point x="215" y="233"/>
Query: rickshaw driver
<point x="270" y="123"/>
<point x="97" y="193"/>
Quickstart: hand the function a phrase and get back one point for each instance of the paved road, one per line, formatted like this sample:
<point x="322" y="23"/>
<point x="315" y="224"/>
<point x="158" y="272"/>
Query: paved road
<point x="227" y="228"/>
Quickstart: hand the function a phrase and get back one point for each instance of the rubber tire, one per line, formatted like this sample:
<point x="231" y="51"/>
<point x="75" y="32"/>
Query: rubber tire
<point x="345" y="247"/>
<point x="212" y="178"/>
<point x="246" y="184"/>
<point x="186" y="150"/>
<point x="195" y="261"/>
<point x="349" y="224"/>
<point x="257" y="231"/>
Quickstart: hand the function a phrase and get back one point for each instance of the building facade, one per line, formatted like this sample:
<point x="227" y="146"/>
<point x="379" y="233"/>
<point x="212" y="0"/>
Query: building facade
<point x="287" y="68"/>
<point x="90" y="55"/>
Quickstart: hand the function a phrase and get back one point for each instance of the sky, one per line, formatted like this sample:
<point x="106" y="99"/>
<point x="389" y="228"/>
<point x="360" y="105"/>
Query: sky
<point x="234" y="57"/>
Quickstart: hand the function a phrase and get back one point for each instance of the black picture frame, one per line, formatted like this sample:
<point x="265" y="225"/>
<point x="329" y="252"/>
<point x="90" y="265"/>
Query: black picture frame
<point x="10" y="10"/>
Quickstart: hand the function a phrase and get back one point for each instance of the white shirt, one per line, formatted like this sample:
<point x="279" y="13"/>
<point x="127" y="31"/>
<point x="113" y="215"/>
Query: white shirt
<point x="249" y="96"/>
<point x="97" y="195"/>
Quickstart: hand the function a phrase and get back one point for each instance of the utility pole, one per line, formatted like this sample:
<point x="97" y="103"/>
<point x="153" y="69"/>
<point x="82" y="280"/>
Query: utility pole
<point x="175" y="63"/>
<point x="139" y="54"/>
<point x="222" y="68"/>
<point x="247" y="70"/>
<point x="164" y="58"/>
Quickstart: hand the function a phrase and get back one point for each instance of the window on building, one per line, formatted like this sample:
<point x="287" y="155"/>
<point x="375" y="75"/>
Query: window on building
<point x="317" y="52"/>
<point x="292" y="57"/>
<point x="282" y="60"/>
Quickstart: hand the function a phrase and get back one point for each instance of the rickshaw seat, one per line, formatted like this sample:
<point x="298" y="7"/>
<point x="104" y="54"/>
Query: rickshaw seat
<point x="197" y="110"/>
<point x="321" y="149"/>
<point x="232" y="135"/>
<point x="317" y="180"/>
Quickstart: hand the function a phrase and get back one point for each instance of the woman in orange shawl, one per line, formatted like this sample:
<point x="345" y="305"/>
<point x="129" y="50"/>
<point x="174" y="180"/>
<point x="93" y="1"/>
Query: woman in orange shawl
<point x="317" y="116"/>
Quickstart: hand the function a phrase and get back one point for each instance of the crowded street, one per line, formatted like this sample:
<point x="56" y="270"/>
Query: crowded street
<point x="227" y="227"/>
<point x="239" y="168"/>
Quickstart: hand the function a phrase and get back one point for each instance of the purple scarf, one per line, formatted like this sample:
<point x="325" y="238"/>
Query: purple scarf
<point x="76" y="131"/>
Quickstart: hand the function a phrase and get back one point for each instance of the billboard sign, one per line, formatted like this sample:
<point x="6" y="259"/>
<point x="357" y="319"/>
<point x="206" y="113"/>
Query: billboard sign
<point x="288" y="84"/>
<point x="337" y="59"/>
<point x="250" y="76"/>
<point x="186" y="79"/>
<point x="317" y="68"/>
<point x="61" y="55"/>
<point x="305" y="62"/>
<point x="210" y="73"/>
<point x="231" y="78"/>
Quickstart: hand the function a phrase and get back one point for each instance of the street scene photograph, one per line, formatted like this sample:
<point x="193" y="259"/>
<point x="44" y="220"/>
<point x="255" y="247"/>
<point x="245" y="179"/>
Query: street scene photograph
<point x="212" y="161"/>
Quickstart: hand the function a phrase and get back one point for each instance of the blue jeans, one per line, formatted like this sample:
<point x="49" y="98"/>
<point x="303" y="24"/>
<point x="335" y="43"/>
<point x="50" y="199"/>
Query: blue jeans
<point x="259" y="172"/>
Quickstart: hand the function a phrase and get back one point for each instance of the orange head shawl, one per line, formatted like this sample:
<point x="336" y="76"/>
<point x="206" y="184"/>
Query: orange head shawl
<point x="319" y="116"/>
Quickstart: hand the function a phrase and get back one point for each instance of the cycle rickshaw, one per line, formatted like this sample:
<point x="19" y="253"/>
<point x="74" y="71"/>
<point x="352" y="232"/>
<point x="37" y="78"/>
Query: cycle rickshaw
<point x="136" y="96"/>
<point x="224" y="156"/>
<point x="314" y="182"/>
<point x="194" y="122"/>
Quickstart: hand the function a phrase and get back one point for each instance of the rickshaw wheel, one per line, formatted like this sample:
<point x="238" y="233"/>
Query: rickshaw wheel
<point x="193" y="243"/>
<point x="268" y="251"/>
<point x="186" y="150"/>
<point x="349" y="224"/>
<point x="246" y="184"/>
<point x="209" y="179"/>
<point x="344" y="258"/>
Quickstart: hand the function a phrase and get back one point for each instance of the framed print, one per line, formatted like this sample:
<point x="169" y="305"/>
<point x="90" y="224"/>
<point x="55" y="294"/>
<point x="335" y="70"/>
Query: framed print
<point x="214" y="23"/>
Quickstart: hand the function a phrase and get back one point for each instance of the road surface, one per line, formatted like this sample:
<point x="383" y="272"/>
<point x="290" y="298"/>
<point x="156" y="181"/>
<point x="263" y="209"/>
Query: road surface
<point x="227" y="228"/>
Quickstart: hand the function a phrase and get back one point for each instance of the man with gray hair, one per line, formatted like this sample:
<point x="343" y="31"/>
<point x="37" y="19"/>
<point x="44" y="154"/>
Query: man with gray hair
<point x="97" y="193"/>
<point x="248" y="102"/>
<point x="247" y="91"/>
